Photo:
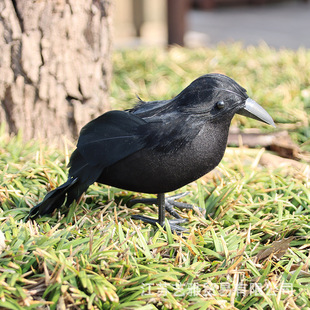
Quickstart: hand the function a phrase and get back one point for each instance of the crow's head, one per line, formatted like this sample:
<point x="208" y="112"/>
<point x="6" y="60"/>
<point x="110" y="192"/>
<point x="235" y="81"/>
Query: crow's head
<point x="216" y="96"/>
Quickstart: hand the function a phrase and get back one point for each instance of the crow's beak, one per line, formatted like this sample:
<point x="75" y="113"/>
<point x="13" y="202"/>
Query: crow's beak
<point x="254" y="110"/>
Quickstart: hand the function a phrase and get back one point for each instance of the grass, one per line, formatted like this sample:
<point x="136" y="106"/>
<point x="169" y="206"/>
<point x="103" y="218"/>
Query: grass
<point x="93" y="256"/>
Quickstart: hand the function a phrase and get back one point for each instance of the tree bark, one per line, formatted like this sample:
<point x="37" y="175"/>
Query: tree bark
<point x="55" y="65"/>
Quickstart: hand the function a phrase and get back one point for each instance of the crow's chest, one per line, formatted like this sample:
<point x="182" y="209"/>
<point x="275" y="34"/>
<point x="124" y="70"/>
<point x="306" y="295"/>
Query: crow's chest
<point x="154" y="171"/>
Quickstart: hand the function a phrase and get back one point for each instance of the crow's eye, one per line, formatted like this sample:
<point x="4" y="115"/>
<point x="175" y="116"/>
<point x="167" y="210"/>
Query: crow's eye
<point x="220" y="104"/>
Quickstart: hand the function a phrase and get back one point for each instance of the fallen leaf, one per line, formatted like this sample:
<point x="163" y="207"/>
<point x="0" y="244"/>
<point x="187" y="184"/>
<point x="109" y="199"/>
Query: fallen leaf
<point x="276" y="249"/>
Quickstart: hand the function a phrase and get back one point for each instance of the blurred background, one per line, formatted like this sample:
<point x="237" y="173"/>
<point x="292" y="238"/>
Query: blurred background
<point x="193" y="23"/>
<point x="63" y="63"/>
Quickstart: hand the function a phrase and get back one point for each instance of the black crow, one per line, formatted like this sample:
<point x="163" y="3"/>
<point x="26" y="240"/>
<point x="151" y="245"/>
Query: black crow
<point x="157" y="146"/>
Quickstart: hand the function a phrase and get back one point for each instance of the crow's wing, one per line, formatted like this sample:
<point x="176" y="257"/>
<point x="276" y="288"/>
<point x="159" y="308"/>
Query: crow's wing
<point x="150" y="108"/>
<point x="110" y="138"/>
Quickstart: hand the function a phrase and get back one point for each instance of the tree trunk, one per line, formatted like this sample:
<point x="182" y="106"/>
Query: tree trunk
<point x="54" y="65"/>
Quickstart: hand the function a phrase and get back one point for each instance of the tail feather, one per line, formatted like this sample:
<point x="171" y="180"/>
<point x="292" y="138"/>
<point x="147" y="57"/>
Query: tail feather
<point x="75" y="192"/>
<point x="56" y="198"/>
<point x="81" y="175"/>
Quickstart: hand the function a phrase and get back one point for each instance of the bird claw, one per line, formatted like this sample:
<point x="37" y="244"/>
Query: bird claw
<point x="173" y="223"/>
<point x="170" y="202"/>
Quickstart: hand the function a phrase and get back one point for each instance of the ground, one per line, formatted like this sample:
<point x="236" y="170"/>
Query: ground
<point x="250" y="250"/>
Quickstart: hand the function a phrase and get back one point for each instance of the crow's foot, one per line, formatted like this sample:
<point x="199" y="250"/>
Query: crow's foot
<point x="169" y="203"/>
<point x="173" y="223"/>
<point x="164" y="204"/>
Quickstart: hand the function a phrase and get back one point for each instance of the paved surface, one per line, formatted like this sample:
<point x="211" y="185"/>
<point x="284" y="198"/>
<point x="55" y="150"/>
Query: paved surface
<point x="279" y="25"/>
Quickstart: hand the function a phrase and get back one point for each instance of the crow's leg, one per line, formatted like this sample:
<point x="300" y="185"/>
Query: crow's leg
<point x="169" y="203"/>
<point x="162" y="207"/>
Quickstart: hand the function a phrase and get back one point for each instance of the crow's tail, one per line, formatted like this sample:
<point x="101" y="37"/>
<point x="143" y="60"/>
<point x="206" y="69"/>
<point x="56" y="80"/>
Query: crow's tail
<point x="55" y="199"/>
